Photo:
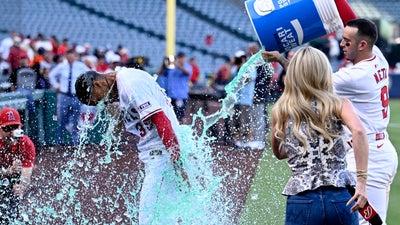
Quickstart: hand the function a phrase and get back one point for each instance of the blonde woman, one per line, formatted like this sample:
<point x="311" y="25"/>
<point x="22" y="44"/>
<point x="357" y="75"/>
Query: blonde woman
<point x="307" y="128"/>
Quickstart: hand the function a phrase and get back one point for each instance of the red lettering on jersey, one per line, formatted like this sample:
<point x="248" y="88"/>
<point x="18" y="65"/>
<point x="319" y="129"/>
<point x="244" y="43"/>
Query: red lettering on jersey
<point x="385" y="101"/>
<point x="380" y="75"/>
<point x="385" y="73"/>
<point x="376" y="78"/>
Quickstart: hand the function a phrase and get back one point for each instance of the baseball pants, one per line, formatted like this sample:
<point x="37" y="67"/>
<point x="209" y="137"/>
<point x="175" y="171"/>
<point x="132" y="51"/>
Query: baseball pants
<point x="158" y="188"/>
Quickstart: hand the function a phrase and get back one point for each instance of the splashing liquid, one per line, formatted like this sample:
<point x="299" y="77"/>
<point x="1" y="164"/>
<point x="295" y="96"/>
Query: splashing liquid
<point x="201" y="203"/>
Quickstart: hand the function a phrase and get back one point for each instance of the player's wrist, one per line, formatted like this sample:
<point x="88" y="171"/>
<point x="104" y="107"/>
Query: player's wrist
<point x="173" y="148"/>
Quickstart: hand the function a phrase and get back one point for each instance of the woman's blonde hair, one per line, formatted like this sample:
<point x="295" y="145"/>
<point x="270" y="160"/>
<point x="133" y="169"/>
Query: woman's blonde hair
<point x="308" y="97"/>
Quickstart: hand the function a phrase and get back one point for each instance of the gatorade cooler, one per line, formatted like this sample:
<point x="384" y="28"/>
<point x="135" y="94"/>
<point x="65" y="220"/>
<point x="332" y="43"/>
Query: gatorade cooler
<point x="282" y="25"/>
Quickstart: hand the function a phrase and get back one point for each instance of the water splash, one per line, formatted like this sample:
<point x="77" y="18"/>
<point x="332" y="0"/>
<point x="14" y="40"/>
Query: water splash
<point x="203" y="203"/>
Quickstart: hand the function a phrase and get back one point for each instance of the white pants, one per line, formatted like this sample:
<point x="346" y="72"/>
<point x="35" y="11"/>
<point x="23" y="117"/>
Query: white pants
<point x="382" y="167"/>
<point x="158" y="189"/>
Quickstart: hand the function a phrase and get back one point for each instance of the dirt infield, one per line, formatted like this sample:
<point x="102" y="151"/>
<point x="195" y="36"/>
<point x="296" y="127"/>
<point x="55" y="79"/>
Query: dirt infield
<point x="105" y="179"/>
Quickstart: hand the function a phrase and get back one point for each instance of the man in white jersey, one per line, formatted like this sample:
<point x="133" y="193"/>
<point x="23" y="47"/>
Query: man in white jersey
<point x="148" y="114"/>
<point x="365" y="84"/>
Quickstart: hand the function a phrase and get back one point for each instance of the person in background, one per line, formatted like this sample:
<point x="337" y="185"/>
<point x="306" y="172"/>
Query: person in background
<point x="307" y="129"/>
<point x="6" y="44"/>
<point x="62" y="78"/>
<point x="242" y="122"/>
<point x="44" y="70"/>
<point x="222" y="77"/>
<point x="162" y="73"/>
<point x="17" y="157"/>
<point x="101" y="65"/>
<point x="63" y="47"/>
<point x="26" y="82"/>
<point x="258" y="111"/>
<point x="4" y="74"/>
<point x="14" y="58"/>
<point x="26" y="76"/>
<point x="178" y="84"/>
<point x="194" y="77"/>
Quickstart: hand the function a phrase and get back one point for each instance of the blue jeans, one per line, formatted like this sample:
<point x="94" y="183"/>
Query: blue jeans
<point x="323" y="206"/>
<point x="179" y="108"/>
<point x="68" y="112"/>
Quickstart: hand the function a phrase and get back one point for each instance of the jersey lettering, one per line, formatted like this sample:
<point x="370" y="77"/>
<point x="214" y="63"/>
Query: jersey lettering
<point x="385" y="101"/>
<point x="132" y="116"/>
<point x="380" y="75"/>
<point x="144" y="127"/>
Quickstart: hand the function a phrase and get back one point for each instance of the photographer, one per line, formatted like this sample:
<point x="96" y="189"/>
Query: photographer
<point x="17" y="155"/>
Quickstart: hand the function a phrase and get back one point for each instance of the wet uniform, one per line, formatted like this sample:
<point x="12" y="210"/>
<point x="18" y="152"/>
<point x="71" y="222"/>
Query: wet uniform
<point x="140" y="98"/>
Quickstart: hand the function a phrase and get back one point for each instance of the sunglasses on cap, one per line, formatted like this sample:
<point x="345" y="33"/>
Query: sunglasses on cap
<point x="10" y="128"/>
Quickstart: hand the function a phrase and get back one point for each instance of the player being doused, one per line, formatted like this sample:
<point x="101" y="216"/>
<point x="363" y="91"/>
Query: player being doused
<point x="148" y="114"/>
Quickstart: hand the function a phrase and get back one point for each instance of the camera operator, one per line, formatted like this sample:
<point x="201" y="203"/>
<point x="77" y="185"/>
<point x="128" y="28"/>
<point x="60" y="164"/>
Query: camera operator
<point x="17" y="155"/>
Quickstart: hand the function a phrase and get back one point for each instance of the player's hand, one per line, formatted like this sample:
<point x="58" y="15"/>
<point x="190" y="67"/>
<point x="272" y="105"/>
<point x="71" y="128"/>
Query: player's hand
<point x="180" y="171"/>
<point x="273" y="56"/>
<point x="175" y="154"/>
<point x="359" y="197"/>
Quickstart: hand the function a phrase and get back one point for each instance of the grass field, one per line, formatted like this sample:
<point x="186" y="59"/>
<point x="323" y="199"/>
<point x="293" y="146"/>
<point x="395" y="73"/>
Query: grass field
<point x="265" y="205"/>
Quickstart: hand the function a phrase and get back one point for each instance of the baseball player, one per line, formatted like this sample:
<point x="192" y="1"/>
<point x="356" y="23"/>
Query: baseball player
<point x="17" y="156"/>
<point x="365" y="84"/>
<point x="148" y="114"/>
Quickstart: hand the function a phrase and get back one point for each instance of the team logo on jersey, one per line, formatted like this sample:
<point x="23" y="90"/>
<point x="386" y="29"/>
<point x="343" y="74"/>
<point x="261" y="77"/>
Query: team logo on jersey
<point x="144" y="106"/>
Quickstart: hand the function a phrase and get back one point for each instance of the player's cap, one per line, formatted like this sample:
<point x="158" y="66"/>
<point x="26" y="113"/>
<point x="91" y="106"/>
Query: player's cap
<point x="9" y="116"/>
<point x="84" y="86"/>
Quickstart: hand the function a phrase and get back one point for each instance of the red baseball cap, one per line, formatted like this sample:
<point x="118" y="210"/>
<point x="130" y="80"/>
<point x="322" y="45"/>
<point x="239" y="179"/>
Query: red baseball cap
<point x="9" y="116"/>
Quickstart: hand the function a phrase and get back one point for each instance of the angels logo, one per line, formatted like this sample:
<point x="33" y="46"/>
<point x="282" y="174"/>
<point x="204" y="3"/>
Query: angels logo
<point x="10" y="116"/>
<point x="367" y="212"/>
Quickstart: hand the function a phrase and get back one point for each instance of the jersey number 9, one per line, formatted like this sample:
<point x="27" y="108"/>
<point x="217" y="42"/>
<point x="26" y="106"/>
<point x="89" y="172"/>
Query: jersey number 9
<point x="385" y="101"/>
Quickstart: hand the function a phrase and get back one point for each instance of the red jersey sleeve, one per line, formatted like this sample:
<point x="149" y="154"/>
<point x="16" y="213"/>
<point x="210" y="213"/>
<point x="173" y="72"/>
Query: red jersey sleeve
<point x="165" y="130"/>
<point x="28" y="152"/>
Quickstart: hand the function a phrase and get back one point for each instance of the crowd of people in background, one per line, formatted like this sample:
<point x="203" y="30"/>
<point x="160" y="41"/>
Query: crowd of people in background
<point x="39" y="62"/>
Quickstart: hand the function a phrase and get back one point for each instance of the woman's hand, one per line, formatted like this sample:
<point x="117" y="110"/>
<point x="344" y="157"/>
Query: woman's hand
<point x="359" y="197"/>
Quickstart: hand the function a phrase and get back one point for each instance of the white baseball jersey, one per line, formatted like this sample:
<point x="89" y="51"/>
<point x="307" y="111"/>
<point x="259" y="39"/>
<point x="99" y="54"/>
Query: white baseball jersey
<point x="141" y="97"/>
<point x="365" y="84"/>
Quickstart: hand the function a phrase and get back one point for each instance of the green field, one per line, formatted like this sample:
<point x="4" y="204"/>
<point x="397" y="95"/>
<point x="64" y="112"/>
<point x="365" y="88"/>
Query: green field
<point x="265" y="205"/>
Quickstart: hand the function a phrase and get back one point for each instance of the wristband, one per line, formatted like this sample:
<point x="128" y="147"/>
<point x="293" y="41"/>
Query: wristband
<point x="362" y="174"/>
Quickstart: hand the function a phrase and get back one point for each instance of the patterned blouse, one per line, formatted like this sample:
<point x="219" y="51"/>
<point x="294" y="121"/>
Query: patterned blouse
<point x="316" y="164"/>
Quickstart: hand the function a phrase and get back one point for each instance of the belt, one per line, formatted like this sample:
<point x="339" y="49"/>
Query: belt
<point x="374" y="136"/>
<point x="379" y="136"/>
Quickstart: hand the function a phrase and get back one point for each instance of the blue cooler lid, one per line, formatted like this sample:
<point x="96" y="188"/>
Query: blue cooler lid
<point x="282" y="25"/>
